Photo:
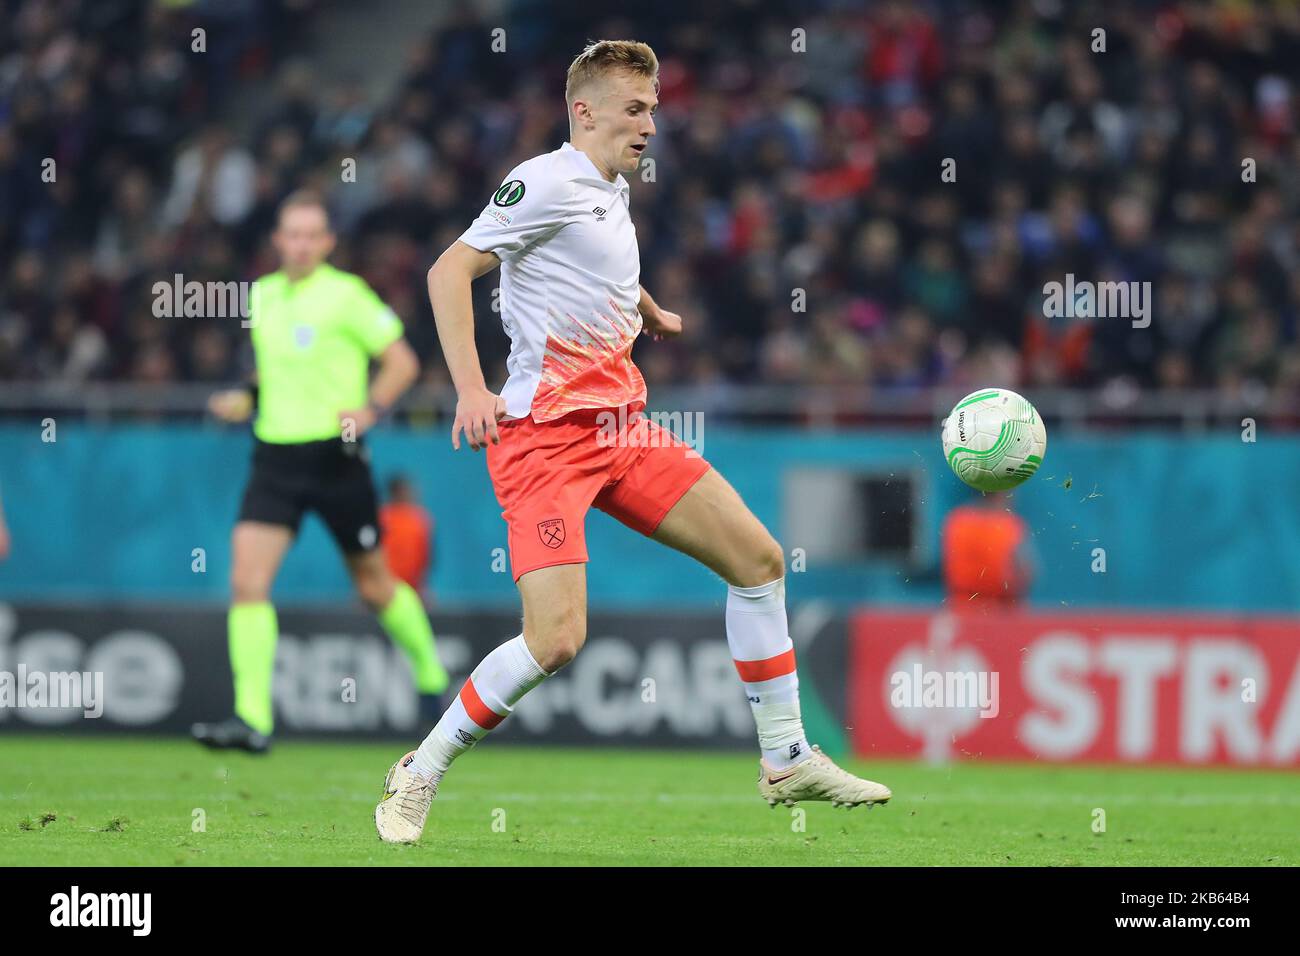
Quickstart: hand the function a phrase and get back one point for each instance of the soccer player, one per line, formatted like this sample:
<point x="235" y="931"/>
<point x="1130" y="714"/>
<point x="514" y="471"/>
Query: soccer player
<point x="315" y="330"/>
<point x="572" y="304"/>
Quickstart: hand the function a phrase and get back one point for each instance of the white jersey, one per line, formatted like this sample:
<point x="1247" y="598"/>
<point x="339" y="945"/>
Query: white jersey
<point x="570" y="284"/>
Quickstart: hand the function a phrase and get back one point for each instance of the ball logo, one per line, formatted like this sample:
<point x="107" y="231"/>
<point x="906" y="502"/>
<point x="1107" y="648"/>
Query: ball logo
<point x="509" y="193"/>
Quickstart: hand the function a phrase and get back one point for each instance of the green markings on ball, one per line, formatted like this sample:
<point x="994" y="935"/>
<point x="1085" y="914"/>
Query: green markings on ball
<point x="1009" y="424"/>
<point x="982" y="396"/>
<point x="993" y="456"/>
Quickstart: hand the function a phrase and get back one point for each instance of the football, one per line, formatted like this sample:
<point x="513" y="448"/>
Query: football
<point x="994" y="439"/>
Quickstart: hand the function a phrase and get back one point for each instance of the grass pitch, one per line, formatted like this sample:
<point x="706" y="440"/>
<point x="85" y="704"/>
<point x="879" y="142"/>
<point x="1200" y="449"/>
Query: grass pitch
<point x="81" y="801"/>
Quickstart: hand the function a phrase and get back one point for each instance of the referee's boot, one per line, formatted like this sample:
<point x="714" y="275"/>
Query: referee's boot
<point x="231" y="734"/>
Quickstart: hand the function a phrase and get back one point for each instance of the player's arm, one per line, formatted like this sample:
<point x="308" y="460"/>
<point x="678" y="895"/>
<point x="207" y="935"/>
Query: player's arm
<point x="235" y="404"/>
<point x="377" y="330"/>
<point x="399" y="367"/>
<point x="657" y="322"/>
<point x="450" y="279"/>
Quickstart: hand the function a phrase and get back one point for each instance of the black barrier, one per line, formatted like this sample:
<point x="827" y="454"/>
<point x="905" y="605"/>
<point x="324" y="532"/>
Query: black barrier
<point x="652" y="680"/>
<point x="1015" y="901"/>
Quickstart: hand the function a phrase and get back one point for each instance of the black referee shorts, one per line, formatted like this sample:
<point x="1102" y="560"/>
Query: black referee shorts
<point x="330" y="477"/>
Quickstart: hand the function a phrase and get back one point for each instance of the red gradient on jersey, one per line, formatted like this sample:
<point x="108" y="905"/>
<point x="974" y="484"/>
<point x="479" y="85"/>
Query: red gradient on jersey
<point x="589" y="365"/>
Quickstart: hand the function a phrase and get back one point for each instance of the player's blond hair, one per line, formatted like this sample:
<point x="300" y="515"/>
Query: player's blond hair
<point x="603" y="57"/>
<point x="303" y="198"/>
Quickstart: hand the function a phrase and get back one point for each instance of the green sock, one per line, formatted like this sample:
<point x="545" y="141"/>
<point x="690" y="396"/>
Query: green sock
<point x="252" y="630"/>
<point x="407" y="624"/>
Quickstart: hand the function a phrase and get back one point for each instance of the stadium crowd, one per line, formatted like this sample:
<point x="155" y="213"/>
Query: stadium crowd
<point x="794" y="213"/>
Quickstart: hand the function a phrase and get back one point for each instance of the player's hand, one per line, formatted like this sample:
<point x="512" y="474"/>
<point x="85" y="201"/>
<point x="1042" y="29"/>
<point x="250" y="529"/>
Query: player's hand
<point x="662" y="325"/>
<point x="477" y="413"/>
<point x="232" y="405"/>
<point x="362" y="420"/>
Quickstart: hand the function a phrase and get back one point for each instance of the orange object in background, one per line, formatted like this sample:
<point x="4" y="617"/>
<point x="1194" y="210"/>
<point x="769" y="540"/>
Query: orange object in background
<point x="981" y="560"/>
<point x="407" y="533"/>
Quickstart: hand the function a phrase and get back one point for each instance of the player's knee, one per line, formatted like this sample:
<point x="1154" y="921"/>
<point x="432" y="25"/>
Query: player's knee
<point x="248" y="586"/>
<point x="375" y="588"/>
<point x="374" y="595"/>
<point x="561" y="637"/>
<point x="765" y="563"/>
<point x="558" y="655"/>
<point x="559" y="652"/>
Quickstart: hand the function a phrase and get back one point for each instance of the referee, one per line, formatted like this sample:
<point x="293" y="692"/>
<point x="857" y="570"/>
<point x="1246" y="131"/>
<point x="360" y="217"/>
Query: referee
<point x="315" y="330"/>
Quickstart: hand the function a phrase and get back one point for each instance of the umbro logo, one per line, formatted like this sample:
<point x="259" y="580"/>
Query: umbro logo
<point x="465" y="737"/>
<point x="600" y="214"/>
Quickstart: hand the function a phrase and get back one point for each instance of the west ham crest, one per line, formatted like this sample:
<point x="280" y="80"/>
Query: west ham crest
<point x="551" y="532"/>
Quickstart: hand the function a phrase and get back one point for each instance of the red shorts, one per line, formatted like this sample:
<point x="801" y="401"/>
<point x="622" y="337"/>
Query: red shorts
<point x="546" y="475"/>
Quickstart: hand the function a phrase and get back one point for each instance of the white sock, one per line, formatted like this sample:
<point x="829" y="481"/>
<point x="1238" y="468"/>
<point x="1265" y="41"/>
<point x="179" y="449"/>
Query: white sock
<point x="489" y="695"/>
<point x="760" y="644"/>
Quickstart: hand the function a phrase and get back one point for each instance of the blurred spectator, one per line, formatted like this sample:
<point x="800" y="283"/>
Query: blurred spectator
<point x="776" y="172"/>
<point x="986" y="553"/>
<point x="216" y="174"/>
<point x="406" y="535"/>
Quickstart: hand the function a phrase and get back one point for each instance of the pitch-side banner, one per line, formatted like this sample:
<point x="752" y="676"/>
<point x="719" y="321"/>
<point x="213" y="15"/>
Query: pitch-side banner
<point x="1076" y="687"/>
<point x="655" y="680"/>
